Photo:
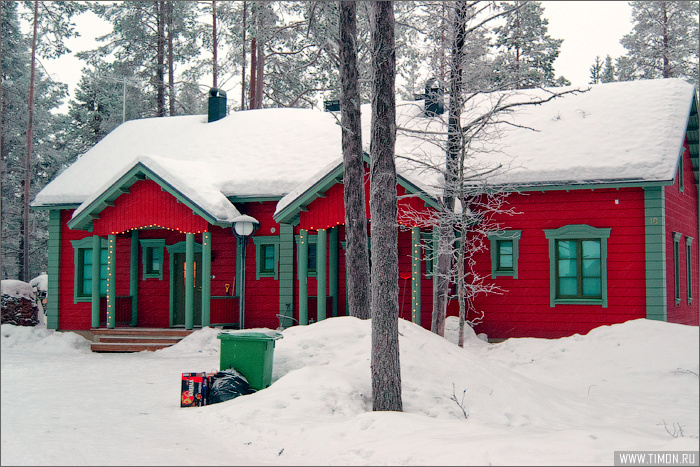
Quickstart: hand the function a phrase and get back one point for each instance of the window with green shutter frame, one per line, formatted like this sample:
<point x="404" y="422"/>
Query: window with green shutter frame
<point x="504" y="246"/>
<point x="83" y="261"/>
<point x="266" y="256"/>
<point x="578" y="265"/>
<point x="152" y="258"/>
<point x="689" y="267"/>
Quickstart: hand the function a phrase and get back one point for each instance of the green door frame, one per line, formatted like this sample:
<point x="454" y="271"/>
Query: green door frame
<point x="181" y="248"/>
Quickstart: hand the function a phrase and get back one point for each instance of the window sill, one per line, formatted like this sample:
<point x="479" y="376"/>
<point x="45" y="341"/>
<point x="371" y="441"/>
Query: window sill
<point x="579" y="301"/>
<point x="512" y="274"/>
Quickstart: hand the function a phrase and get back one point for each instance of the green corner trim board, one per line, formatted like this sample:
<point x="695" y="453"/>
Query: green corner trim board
<point x="655" y="252"/>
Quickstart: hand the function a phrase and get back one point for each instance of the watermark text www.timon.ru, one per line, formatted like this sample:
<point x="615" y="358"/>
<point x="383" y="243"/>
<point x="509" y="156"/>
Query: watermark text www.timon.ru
<point x="670" y="458"/>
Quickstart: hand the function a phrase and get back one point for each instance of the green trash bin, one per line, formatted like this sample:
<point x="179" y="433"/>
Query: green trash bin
<point x="249" y="353"/>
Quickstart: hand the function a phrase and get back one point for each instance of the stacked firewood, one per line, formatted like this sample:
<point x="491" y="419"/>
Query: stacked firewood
<point x="18" y="310"/>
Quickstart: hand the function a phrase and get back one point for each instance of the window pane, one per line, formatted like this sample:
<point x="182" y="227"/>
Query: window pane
<point x="85" y="257"/>
<point x="591" y="268"/>
<point x="312" y="257"/>
<point x="268" y="252"/>
<point x="506" y="262"/>
<point x="566" y="249"/>
<point x="591" y="248"/>
<point x="591" y="287"/>
<point x="567" y="286"/>
<point x="505" y="247"/>
<point x="567" y="268"/>
<point x="86" y="287"/>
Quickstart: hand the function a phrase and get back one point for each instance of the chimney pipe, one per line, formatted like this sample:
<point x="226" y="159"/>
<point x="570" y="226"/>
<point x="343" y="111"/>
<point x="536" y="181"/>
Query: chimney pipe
<point x="217" y="104"/>
<point x="434" y="103"/>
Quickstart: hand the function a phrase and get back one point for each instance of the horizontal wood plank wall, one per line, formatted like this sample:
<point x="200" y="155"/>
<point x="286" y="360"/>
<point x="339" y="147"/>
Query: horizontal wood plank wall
<point x="147" y="205"/>
<point x="262" y="299"/>
<point x="524" y="309"/>
<point x="682" y="217"/>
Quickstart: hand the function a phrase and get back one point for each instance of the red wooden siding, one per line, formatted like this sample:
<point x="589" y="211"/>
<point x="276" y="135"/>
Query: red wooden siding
<point x="262" y="301"/>
<point x="327" y="212"/>
<point x="71" y="315"/>
<point x="682" y="217"/>
<point x="524" y="310"/>
<point x="147" y="205"/>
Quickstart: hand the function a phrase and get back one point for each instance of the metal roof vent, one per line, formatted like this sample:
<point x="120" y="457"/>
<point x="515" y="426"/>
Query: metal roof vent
<point x="217" y="104"/>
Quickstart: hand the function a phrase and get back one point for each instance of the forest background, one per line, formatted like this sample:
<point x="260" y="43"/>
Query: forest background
<point x="161" y="57"/>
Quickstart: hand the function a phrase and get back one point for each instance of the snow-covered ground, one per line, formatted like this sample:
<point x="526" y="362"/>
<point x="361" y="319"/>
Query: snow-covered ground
<point x="569" y="401"/>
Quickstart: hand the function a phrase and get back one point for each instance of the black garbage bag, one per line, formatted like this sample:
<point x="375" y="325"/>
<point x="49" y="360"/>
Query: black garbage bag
<point x="227" y="384"/>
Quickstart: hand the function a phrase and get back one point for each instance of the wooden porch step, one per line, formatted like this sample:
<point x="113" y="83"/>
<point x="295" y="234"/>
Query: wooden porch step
<point x="128" y="339"/>
<point x="125" y="347"/>
<point x="142" y="331"/>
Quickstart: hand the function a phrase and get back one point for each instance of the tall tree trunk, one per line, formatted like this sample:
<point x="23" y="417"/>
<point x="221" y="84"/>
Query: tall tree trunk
<point x="385" y="365"/>
<point x="160" y="59"/>
<point x="171" y="65"/>
<point x="24" y="248"/>
<point x="454" y="142"/>
<point x="664" y="26"/>
<point x="356" y="254"/>
<point x="259" y="71"/>
<point x="215" y="44"/>
<point x="253" y="68"/>
<point x="245" y="14"/>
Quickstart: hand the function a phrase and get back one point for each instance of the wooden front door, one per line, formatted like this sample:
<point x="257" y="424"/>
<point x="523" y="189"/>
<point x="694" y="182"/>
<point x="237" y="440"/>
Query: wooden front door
<point x="179" y="271"/>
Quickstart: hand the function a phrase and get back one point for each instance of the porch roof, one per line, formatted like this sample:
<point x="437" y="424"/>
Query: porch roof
<point x="204" y="200"/>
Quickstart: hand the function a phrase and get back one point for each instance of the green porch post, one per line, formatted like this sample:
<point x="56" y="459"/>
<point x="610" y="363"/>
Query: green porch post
<point x="134" y="276"/>
<point x="54" y="269"/>
<point x="333" y="268"/>
<point x="415" y="275"/>
<point x="321" y="275"/>
<point x="96" y="245"/>
<point x="286" y="273"/>
<point x="111" y="280"/>
<point x="206" y="277"/>
<point x="189" y="281"/>
<point x="303" y="261"/>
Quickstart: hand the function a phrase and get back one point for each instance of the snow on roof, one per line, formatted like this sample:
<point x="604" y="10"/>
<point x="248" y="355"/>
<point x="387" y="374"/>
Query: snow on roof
<point x="188" y="177"/>
<point x="252" y="153"/>
<point x="615" y="132"/>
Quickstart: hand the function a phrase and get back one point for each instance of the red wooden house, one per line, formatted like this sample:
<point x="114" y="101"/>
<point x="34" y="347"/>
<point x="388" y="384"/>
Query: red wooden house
<point x="605" y="183"/>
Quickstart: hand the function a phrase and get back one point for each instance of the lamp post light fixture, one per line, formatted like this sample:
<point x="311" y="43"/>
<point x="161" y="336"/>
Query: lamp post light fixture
<point x="243" y="227"/>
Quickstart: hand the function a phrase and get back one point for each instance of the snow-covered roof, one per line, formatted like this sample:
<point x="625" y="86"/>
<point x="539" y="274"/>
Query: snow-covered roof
<point x="617" y="132"/>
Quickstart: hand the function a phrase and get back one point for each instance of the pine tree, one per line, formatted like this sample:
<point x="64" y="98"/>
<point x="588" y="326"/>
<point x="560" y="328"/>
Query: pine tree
<point x="608" y="75"/>
<point x="46" y="157"/>
<point x="140" y="36"/>
<point x="596" y="71"/>
<point x="385" y="362"/>
<point x="664" y="40"/>
<point x="527" y="52"/>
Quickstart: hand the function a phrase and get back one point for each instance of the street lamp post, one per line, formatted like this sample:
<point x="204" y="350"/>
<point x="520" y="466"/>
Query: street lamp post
<point x="243" y="228"/>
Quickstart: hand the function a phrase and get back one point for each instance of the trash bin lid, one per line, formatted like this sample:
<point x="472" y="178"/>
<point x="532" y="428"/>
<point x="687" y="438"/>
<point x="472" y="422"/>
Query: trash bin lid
<point x="259" y="334"/>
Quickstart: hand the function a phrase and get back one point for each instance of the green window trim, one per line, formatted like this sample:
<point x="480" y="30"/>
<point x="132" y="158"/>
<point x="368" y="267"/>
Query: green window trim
<point x="680" y="174"/>
<point x="152" y="258"/>
<point x="267" y="256"/>
<point x="82" y="254"/>
<point x="689" y="267"/>
<point x="504" y="253"/>
<point x="676" y="268"/>
<point x="577" y="234"/>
